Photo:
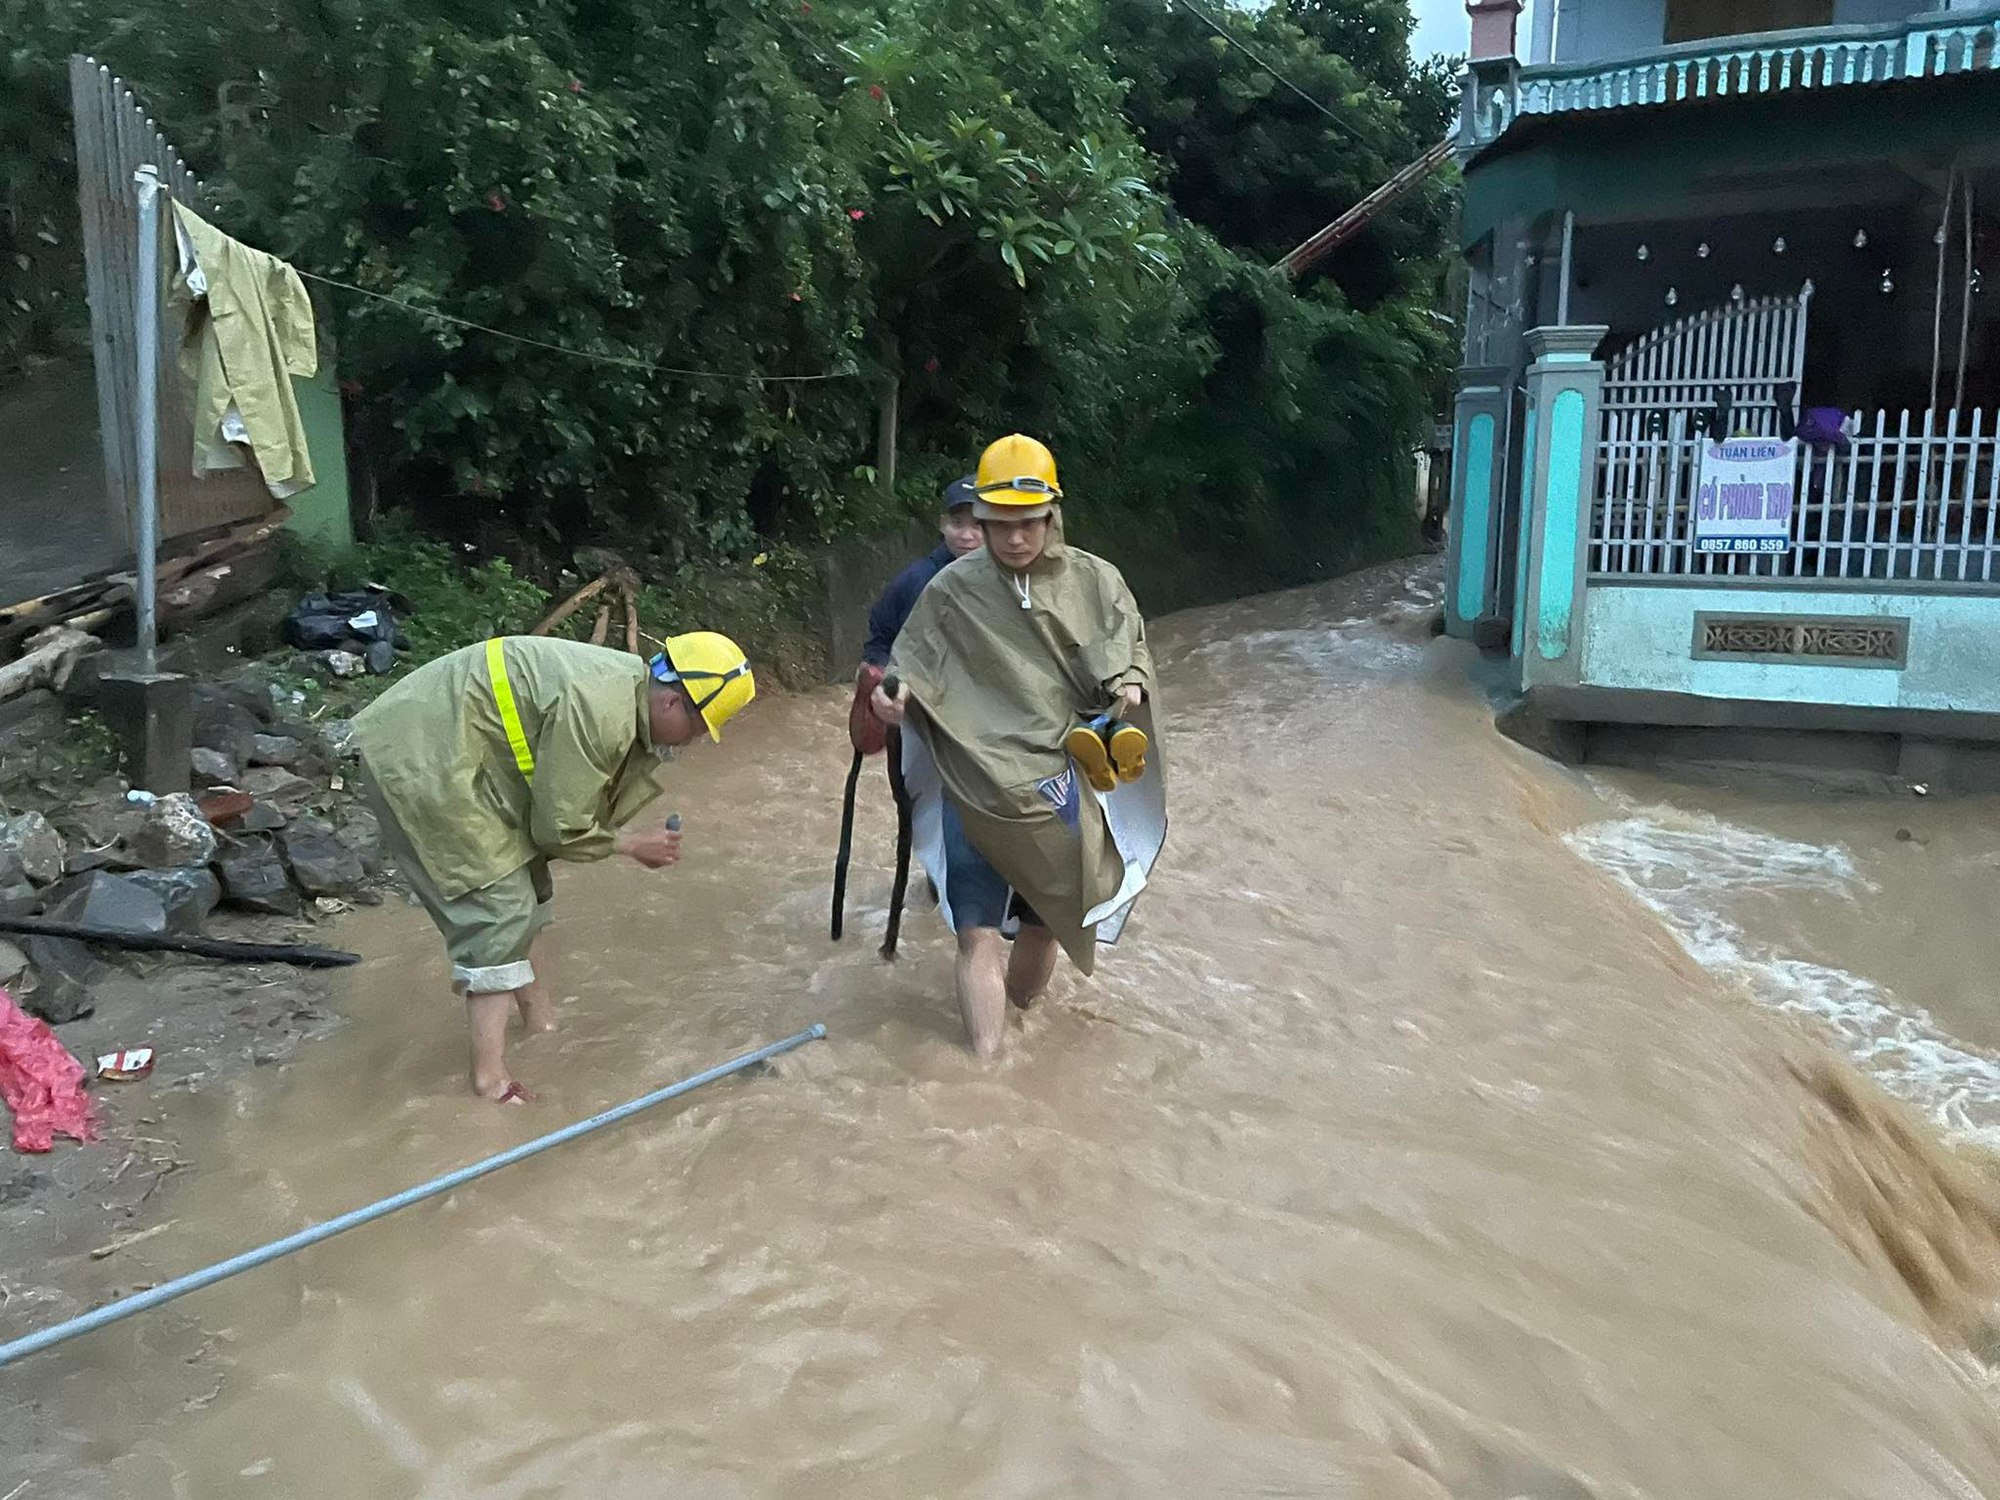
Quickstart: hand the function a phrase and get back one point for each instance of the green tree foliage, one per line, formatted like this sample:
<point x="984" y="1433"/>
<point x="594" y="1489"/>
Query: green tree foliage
<point x="1050" y="215"/>
<point x="42" y="310"/>
<point x="1297" y="430"/>
<point x="1268" y="138"/>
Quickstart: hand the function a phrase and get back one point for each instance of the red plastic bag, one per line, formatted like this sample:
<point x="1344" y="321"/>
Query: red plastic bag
<point x="864" y="730"/>
<point x="41" y="1082"/>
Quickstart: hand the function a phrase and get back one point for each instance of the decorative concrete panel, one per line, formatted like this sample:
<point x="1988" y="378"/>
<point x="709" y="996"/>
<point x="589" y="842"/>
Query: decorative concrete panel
<point x="1646" y="637"/>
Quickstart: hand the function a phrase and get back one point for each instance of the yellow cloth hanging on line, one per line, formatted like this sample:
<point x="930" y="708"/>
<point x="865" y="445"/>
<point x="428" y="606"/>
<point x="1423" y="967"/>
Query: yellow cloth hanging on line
<point x="245" y="331"/>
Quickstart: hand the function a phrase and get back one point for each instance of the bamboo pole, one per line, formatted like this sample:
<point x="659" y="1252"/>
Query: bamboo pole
<point x="571" y="605"/>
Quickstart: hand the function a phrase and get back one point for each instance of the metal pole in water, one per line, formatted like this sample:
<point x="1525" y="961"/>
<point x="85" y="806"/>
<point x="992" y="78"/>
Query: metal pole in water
<point x="147" y="317"/>
<point x="140" y="1302"/>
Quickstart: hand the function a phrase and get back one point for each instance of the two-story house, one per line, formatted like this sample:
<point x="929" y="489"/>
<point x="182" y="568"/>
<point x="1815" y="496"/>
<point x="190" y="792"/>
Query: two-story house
<point x="1726" y="425"/>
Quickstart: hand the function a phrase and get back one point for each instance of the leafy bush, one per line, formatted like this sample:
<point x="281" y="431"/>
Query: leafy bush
<point x="455" y="600"/>
<point x="767" y="604"/>
<point x="1045" y="215"/>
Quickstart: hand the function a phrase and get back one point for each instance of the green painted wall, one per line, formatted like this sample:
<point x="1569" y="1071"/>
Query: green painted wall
<point x="321" y="513"/>
<point x="1475" y="516"/>
<point x="1564" y="511"/>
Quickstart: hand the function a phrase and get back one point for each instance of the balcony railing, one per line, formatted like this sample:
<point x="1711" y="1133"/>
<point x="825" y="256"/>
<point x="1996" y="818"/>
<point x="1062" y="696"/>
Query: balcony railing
<point x="1778" y="62"/>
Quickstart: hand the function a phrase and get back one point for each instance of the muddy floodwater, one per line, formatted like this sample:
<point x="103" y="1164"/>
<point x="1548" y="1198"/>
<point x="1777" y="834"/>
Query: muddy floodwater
<point x="1448" y="1124"/>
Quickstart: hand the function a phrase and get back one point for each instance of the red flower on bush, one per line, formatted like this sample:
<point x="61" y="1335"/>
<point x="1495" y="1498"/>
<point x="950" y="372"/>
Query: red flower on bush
<point x="497" y="203"/>
<point x="857" y="215"/>
<point x="798" y="297"/>
<point x="931" y="365"/>
<point x="875" y="91"/>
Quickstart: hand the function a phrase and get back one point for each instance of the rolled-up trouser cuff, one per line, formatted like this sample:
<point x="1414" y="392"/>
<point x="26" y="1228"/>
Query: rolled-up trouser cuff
<point x="487" y="931"/>
<point x="494" y="979"/>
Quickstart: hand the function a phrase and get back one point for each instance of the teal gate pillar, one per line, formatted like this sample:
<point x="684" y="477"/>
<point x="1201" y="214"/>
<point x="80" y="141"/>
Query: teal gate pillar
<point x="1479" y="488"/>
<point x="1558" y="489"/>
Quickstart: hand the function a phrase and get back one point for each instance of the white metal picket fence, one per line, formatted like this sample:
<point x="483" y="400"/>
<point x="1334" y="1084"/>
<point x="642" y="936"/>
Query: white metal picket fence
<point x="1913" y="497"/>
<point x="1753" y="351"/>
<point x="1750" y="353"/>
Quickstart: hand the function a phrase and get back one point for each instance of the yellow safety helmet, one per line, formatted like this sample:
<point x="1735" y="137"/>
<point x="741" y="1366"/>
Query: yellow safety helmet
<point x="713" y="670"/>
<point x="1016" y="480"/>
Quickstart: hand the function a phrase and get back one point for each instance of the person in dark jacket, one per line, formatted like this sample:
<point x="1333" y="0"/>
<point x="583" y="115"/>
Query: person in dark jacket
<point x="961" y="536"/>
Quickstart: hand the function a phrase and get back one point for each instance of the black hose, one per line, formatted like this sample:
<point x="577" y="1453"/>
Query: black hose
<point x="304" y="955"/>
<point x="846" y="850"/>
<point x="890" y="688"/>
<point x="902" y="883"/>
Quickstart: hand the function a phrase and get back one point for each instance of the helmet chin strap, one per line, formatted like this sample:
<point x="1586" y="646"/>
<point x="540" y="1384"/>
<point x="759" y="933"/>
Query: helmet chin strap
<point x="686" y="680"/>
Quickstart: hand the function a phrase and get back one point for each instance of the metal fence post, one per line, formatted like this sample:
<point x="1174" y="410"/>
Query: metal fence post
<point x="147" y="435"/>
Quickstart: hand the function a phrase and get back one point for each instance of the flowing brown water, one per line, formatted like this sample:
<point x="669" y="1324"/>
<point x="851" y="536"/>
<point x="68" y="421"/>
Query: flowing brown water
<point x="1398" y="1153"/>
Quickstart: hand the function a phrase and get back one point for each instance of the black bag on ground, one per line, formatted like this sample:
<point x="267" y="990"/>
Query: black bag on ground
<point x="352" y="621"/>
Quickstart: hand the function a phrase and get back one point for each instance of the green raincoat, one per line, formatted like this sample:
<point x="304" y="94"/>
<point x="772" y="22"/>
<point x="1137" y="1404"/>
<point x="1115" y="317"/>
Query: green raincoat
<point x="246" y="332"/>
<point x="997" y="687"/>
<point x="438" y="754"/>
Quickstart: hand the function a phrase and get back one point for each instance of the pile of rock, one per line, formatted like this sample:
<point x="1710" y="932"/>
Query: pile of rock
<point x="268" y="830"/>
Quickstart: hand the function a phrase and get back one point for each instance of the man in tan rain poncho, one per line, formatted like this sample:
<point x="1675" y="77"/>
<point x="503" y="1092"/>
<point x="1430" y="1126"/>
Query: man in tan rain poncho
<point x="1025" y="677"/>
<point x="488" y="763"/>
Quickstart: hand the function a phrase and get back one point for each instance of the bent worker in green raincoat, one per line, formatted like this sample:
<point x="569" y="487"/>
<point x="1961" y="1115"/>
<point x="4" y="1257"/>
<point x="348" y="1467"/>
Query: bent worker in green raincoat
<point x="488" y="763"/>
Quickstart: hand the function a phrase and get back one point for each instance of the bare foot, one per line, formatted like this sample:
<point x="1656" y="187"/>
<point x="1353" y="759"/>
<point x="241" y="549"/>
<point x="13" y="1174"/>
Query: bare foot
<point x="538" y="1014"/>
<point x="501" y="1089"/>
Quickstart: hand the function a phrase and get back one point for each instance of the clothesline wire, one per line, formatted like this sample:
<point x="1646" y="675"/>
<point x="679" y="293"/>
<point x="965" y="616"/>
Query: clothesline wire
<point x="1222" y="31"/>
<point x="641" y="365"/>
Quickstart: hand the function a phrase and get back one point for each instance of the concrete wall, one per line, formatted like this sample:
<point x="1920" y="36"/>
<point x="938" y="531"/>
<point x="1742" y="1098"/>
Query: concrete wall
<point x="1877" y="12"/>
<point x="1535" y="39"/>
<point x="853" y="574"/>
<point x="1641" y="637"/>
<point x="57" y="522"/>
<point x="1603" y="30"/>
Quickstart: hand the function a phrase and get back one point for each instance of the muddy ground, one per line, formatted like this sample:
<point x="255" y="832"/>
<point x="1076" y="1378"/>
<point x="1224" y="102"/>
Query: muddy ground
<point x="76" y="1224"/>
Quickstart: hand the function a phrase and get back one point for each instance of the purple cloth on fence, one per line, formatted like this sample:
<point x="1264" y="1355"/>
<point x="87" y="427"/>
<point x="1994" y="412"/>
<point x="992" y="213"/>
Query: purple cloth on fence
<point x="1820" y="426"/>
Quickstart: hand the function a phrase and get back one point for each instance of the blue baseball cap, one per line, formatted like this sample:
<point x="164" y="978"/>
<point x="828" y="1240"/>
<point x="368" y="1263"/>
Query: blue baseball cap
<point x="961" y="491"/>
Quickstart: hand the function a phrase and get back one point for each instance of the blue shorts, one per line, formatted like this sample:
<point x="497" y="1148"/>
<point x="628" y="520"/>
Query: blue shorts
<point x="978" y="893"/>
